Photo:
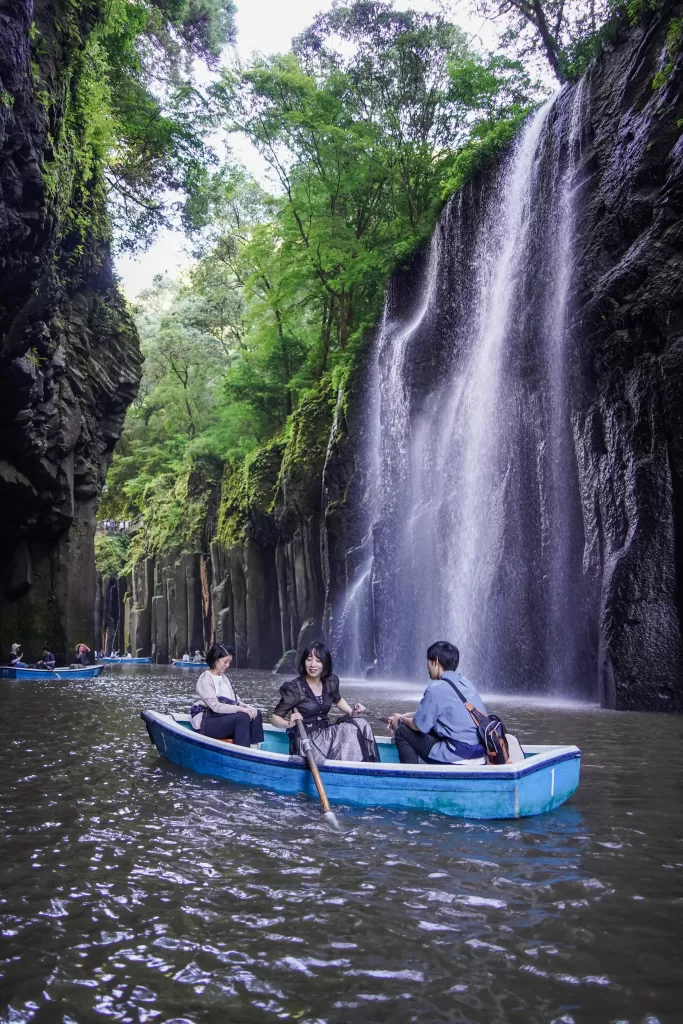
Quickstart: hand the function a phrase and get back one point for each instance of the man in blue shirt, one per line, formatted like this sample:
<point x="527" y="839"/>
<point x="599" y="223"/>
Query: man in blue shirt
<point x="47" y="661"/>
<point x="441" y="731"/>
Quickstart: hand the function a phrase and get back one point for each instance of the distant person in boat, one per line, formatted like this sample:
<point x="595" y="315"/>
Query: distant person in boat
<point x="218" y="711"/>
<point x="16" y="657"/>
<point x="198" y="657"/>
<point x="82" y="653"/>
<point x="47" y="660"/>
<point x="441" y="731"/>
<point x="186" y="656"/>
<point x="128" y="655"/>
<point x="309" y="698"/>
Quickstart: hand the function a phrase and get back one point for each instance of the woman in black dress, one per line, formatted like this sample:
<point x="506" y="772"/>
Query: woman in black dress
<point x="309" y="698"/>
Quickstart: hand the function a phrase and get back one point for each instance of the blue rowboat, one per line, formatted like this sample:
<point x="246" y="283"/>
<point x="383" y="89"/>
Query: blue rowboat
<point x="127" y="661"/>
<point x="546" y="777"/>
<point x="40" y="674"/>
<point x="179" y="663"/>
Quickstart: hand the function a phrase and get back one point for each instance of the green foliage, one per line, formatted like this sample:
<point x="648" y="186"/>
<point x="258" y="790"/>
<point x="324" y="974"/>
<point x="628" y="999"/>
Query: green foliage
<point x="248" y="491"/>
<point x="358" y="143"/>
<point x="674" y="43"/>
<point x="112" y="554"/>
<point x="486" y="145"/>
<point x="119" y="144"/>
<point x="174" y="517"/>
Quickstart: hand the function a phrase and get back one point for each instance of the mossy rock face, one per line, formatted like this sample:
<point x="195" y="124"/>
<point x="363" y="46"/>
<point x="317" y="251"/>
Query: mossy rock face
<point x="300" y="490"/>
<point x="247" y="495"/>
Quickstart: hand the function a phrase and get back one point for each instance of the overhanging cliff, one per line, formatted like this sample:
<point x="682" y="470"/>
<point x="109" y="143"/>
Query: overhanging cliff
<point x="69" y="354"/>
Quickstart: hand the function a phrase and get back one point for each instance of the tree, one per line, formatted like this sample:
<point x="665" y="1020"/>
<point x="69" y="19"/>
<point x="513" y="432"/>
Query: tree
<point x="358" y="144"/>
<point x="556" y="28"/>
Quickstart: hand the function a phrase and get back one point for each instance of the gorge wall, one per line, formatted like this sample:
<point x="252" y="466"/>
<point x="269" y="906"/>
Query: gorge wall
<point x="504" y="465"/>
<point x="69" y="355"/>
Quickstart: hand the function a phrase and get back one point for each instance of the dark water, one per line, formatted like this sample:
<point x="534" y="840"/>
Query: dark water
<point x="135" y="891"/>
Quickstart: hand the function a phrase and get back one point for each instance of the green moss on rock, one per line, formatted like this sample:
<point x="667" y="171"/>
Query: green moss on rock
<point x="248" y="492"/>
<point x="304" y="456"/>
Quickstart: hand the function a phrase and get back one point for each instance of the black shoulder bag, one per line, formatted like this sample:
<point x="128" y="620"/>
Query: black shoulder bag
<point x="490" y="730"/>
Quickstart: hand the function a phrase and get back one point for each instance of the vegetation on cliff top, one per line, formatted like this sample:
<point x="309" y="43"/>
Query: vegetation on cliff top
<point x="367" y="125"/>
<point x="133" y="128"/>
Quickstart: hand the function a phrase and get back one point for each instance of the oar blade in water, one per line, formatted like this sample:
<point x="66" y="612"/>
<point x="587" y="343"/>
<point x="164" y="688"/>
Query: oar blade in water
<point x="327" y="813"/>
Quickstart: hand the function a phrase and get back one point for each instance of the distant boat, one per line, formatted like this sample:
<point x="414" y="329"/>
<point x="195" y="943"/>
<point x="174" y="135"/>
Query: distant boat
<point x="179" y="663"/>
<point x="127" y="661"/>
<point x="545" y="779"/>
<point x="42" y="675"/>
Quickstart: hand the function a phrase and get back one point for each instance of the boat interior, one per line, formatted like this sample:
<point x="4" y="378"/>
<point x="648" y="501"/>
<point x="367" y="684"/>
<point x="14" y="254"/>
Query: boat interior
<point x="276" y="741"/>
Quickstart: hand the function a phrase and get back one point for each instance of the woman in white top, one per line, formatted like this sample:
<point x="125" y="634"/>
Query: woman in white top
<point x="218" y="711"/>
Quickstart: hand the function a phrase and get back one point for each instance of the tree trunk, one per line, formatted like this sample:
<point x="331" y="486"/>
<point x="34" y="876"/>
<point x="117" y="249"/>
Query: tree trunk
<point x="549" y="44"/>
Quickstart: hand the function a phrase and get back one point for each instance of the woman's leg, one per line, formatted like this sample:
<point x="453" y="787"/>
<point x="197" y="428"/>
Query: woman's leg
<point x="256" y="729"/>
<point x="235" y="726"/>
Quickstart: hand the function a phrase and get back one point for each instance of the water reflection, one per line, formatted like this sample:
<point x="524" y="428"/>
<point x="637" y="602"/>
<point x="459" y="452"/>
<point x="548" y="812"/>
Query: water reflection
<point x="137" y="891"/>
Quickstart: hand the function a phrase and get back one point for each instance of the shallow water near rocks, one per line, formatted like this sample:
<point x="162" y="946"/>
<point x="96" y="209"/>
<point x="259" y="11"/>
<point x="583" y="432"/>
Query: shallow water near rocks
<point x="137" y="891"/>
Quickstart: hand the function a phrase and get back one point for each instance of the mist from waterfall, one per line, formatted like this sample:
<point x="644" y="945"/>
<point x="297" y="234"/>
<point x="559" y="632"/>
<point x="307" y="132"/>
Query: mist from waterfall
<point x="475" y="530"/>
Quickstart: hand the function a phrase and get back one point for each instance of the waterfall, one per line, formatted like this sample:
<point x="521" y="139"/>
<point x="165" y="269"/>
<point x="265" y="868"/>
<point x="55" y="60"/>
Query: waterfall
<point x="476" y="532"/>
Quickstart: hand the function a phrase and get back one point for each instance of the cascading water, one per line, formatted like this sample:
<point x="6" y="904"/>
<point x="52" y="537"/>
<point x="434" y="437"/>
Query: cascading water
<point x="476" y="517"/>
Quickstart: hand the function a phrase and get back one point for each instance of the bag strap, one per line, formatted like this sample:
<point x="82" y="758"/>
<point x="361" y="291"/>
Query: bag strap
<point x="470" y="707"/>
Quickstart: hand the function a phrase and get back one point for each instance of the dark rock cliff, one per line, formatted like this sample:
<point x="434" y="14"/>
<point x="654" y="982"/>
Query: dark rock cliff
<point x="69" y="354"/>
<point x="629" y="374"/>
<point x="297" y="528"/>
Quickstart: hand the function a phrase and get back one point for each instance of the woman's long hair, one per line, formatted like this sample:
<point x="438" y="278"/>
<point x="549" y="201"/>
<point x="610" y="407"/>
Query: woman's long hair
<point x="218" y="651"/>
<point x="322" y="653"/>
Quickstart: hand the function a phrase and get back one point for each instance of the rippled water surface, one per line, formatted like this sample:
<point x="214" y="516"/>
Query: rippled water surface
<point x="134" y="890"/>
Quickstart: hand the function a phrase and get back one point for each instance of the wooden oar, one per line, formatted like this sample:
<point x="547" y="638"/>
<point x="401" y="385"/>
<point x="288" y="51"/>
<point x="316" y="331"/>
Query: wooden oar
<point x="327" y="812"/>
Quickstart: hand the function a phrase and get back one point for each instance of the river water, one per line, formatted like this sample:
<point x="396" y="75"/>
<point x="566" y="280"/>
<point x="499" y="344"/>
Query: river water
<point x="136" y="891"/>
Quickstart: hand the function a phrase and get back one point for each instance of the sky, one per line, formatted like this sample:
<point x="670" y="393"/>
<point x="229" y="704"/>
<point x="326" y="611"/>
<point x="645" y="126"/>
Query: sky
<point x="266" y="26"/>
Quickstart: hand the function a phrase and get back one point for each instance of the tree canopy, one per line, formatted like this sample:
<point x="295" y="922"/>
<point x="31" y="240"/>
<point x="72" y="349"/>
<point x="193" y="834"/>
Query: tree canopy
<point x="136" y="111"/>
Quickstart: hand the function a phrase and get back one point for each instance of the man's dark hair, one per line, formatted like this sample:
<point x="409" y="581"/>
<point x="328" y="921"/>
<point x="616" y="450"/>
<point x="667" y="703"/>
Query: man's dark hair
<point x="447" y="655"/>
<point x="322" y="653"/>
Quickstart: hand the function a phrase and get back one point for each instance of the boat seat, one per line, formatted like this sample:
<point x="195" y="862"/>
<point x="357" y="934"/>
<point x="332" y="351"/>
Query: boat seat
<point x="514" y="748"/>
<point x="224" y="741"/>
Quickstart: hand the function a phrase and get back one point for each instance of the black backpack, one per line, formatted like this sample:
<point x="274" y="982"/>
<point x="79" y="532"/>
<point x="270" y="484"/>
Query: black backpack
<point x="490" y="730"/>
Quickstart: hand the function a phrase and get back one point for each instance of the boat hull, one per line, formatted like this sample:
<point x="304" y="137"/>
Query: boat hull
<point x="40" y="675"/>
<point x="547" y="777"/>
<point x="177" y="663"/>
<point x="127" y="661"/>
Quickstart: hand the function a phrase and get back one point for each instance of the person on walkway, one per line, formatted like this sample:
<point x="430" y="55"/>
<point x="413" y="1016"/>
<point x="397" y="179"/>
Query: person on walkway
<point x="441" y="731"/>
<point x="16" y="657"/>
<point x="47" y="660"/>
<point x="218" y="711"/>
<point x="309" y="698"/>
